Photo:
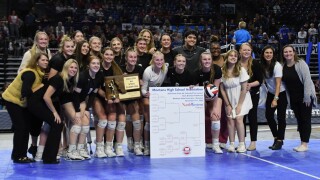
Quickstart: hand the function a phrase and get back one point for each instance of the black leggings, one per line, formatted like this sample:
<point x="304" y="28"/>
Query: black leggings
<point x="303" y="116"/>
<point x="252" y="117"/>
<point x="40" y="110"/>
<point x="278" y="130"/>
<point x="20" y="118"/>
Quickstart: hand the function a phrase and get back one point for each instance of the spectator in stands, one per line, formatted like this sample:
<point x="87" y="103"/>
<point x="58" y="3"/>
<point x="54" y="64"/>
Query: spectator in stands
<point x="302" y="36"/>
<point x="313" y="34"/>
<point x="273" y="40"/>
<point x="241" y="35"/>
<point x="60" y="31"/>
<point x="53" y="42"/>
<point x="190" y="50"/>
<point x="91" y="12"/>
<point x="100" y="13"/>
<point x="14" y="24"/>
<point x="284" y="34"/>
<point x="302" y="95"/>
<point x="30" y="25"/>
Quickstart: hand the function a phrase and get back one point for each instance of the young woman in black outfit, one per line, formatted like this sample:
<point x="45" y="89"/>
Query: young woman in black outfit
<point x="169" y="54"/>
<point x="133" y="122"/>
<point x="45" y="105"/>
<point x="108" y="111"/>
<point x="82" y="54"/>
<point x="28" y="80"/>
<point x="178" y="75"/>
<point x="210" y="73"/>
<point x="256" y="78"/>
<point x="87" y="86"/>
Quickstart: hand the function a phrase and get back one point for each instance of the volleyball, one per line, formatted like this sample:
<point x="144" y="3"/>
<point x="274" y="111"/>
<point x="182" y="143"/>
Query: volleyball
<point x="210" y="92"/>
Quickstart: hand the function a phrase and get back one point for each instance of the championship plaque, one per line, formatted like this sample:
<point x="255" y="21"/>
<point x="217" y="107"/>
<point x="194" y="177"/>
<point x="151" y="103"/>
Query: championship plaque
<point x="123" y="87"/>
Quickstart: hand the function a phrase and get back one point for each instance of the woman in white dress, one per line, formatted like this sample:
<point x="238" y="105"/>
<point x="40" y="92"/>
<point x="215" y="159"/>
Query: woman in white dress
<point x="236" y="97"/>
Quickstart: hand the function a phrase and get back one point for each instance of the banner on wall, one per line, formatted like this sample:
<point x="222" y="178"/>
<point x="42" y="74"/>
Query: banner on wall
<point x="302" y="49"/>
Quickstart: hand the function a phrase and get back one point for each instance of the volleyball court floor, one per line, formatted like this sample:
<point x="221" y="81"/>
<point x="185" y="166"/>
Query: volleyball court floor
<point x="260" y="164"/>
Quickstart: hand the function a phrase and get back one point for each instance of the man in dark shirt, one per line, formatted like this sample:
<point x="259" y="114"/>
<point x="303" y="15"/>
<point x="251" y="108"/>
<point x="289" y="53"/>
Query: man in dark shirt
<point x="190" y="50"/>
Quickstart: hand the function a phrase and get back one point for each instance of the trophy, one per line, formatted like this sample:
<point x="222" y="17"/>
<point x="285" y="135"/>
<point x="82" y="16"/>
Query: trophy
<point x="124" y="87"/>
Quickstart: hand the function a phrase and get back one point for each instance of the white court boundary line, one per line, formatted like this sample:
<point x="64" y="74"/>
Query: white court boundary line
<point x="279" y="165"/>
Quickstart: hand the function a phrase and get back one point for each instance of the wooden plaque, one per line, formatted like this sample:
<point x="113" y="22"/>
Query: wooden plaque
<point x="123" y="87"/>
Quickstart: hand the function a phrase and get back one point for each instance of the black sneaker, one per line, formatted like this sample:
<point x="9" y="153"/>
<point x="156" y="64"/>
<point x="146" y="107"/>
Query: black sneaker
<point x="33" y="150"/>
<point x="274" y="142"/>
<point x="24" y="160"/>
<point x="277" y="145"/>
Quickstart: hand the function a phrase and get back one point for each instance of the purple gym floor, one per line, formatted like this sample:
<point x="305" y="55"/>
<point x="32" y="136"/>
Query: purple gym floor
<point x="260" y="164"/>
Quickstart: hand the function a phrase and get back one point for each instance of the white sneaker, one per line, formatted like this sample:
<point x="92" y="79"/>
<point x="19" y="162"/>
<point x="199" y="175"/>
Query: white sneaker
<point x="137" y="151"/>
<point x="231" y="147"/>
<point x="216" y="149"/>
<point x="241" y="148"/>
<point x="74" y="155"/>
<point x="38" y="156"/>
<point x="141" y="145"/>
<point x="84" y="154"/>
<point x="146" y="151"/>
<point x="108" y="150"/>
<point x="223" y="145"/>
<point x="100" y="152"/>
<point x="130" y="145"/>
<point x="119" y="150"/>
<point x="209" y="146"/>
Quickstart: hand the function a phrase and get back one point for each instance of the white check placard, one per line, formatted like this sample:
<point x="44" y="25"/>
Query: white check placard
<point x="177" y="122"/>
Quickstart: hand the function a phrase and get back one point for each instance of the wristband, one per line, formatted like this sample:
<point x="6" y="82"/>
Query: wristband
<point x="276" y="98"/>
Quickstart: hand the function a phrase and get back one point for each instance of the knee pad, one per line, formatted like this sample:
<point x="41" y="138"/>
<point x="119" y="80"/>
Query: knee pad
<point x="215" y="125"/>
<point x="128" y="118"/>
<point x="112" y="125"/>
<point x="85" y="129"/>
<point x="102" y="123"/>
<point x="136" y="125"/>
<point x="46" y="127"/>
<point x="75" y="129"/>
<point x="147" y="126"/>
<point x="121" y="126"/>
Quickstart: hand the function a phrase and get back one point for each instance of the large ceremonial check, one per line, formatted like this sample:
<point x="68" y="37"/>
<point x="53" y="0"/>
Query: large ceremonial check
<point x="123" y="87"/>
<point x="177" y="122"/>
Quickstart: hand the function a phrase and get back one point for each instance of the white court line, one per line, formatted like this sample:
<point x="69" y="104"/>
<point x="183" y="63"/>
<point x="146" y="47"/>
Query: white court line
<point x="279" y="165"/>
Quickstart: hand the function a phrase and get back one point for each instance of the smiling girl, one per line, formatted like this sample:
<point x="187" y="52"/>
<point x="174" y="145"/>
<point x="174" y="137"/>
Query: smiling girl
<point x="236" y="97"/>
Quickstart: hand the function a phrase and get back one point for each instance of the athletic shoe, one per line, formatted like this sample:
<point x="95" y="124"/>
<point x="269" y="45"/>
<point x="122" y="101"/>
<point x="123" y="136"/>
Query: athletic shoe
<point x="146" y="151"/>
<point x="137" y="151"/>
<point x="119" y="150"/>
<point x="231" y="147"/>
<point x="33" y="150"/>
<point x="241" y="148"/>
<point x="84" y="154"/>
<point x="74" y="155"/>
<point x="38" y="156"/>
<point x="223" y="145"/>
<point x="100" y="152"/>
<point x="108" y="150"/>
<point x="209" y="146"/>
<point x="216" y="149"/>
<point x="301" y="148"/>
